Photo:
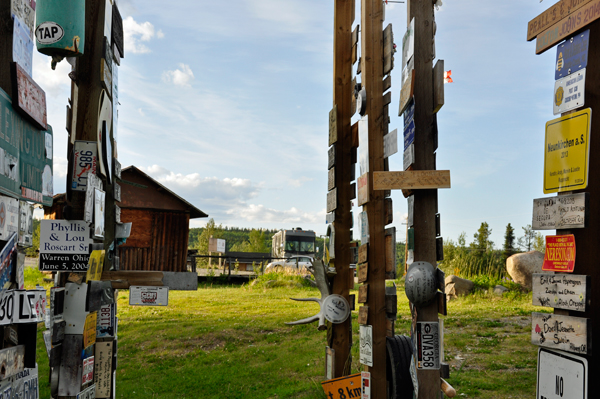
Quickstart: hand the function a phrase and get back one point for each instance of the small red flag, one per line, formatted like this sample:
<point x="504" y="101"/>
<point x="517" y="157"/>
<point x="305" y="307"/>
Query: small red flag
<point x="448" y="77"/>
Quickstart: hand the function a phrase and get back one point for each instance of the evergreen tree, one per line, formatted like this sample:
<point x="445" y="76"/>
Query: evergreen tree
<point x="482" y="241"/>
<point x="509" y="241"/>
<point x="539" y="243"/>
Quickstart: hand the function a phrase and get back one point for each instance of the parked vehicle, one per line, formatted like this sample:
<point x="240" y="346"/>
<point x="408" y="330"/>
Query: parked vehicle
<point x="296" y="262"/>
<point x="293" y="242"/>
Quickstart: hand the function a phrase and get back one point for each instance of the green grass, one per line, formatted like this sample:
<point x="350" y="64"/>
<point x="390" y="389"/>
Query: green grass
<point x="230" y="341"/>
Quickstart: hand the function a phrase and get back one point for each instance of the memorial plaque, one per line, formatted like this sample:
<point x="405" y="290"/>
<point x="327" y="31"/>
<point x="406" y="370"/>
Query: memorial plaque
<point x="562" y="212"/>
<point x="363" y="189"/>
<point x="568" y="333"/>
<point x="29" y="98"/>
<point x="415" y="179"/>
<point x="332" y="200"/>
<point x="561" y="291"/>
<point x="333" y="128"/>
<point x="390" y="143"/>
<point x="572" y="55"/>
<point x="331" y="179"/>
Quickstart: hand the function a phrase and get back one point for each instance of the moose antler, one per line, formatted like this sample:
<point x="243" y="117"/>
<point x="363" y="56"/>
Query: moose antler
<point x="318" y="270"/>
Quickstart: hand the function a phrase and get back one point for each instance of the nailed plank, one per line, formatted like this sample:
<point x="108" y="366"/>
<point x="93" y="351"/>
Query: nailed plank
<point x="387" y="83"/>
<point x="123" y="279"/>
<point x="363" y="189"/>
<point x="331" y="179"/>
<point x="562" y="291"/>
<point x="390" y="253"/>
<point x="331" y="157"/>
<point x="332" y="200"/>
<point x="363" y="293"/>
<point x="363" y="253"/>
<point x="551" y="16"/>
<point x="388" y="49"/>
<point x="438" y="85"/>
<point x="562" y="212"/>
<point x="363" y="315"/>
<point x="355" y="34"/>
<point x="387" y="98"/>
<point x="363" y="272"/>
<point x="568" y="333"/>
<point x="414" y="179"/>
<point x="389" y="211"/>
<point x="333" y="128"/>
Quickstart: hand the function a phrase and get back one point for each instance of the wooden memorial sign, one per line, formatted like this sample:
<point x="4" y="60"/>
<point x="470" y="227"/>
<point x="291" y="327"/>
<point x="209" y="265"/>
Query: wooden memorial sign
<point x="333" y="128"/>
<point x="363" y="293"/>
<point x="332" y="200"/>
<point x="331" y="179"/>
<point x="363" y="253"/>
<point x="363" y="315"/>
<point x="363" y="272"/>
<point x="581" y="15"/>
<point x="415" y="179"/>
<point x="560" y="254"/>
<point x="551" y="16"/>
<point x="562" y="212"/>
<point x="571" y="334"/>
<point x="363" y="189"/>
<point x="28" y="97"/>
<point x="388" y="49"/>
<point x="438" y="86"/>
<point x="561" y="291"/>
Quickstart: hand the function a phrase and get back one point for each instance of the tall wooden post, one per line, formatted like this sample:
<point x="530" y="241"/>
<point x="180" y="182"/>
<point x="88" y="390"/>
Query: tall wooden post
<point x="372" y="79"/>
<point x="425" y="201"/>
<point x="342" y="100"/>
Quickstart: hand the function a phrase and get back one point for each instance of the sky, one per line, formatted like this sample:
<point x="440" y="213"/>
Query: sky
<point x="226" y="103"/>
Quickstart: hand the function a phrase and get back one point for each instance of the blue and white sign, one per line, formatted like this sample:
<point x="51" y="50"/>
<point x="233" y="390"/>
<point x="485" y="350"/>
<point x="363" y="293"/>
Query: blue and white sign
<point x="409" y="125"/>
<point x="572" y="55"/>
<point x="569" y="92"/>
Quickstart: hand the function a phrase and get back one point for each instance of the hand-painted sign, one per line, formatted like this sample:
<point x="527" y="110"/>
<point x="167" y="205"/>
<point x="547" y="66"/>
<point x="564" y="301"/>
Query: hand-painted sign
<point x="560" y="374"/>
<point x="572" y="55"/>
<point x="103" y="360"/>
<point x="366" y="345"/>
<point x="85" y="161"/>
<point x="343" y="387"/>
<point x="566" y="333"/>
<point x="552" y="15"/>
<point x="29" y="97"/>
<point x="562" y="212"/>
<point x="560" y="254"/>
<point x="569" y="92"/>
<point x="428" y="345"/>
<point x="561" y="291"/>
<point x="409" y="125"/>
<point x="148" y="296"/>
<point x="64" y="245"/>
<point x="566" y="152"/>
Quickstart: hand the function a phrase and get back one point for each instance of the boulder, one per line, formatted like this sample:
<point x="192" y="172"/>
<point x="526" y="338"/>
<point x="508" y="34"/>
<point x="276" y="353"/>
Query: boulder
<point x="456" y="286"/>
<point x="500" y="289"/>
<point x="522" y="266"/>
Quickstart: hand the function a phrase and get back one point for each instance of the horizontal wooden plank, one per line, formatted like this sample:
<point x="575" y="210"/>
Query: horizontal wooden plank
<point x="363" y="253"/>
<point x="332" y="200"/>
<point x="562" y="212"/>
<point x="387" y="83"/>
<point x="363" y="293"/>
<point x="571" y="334"/>
<point x="562" y="291"/>
<point x="124" y="278"/>
<point x="413" y="179"/>
<point x="552" y="15"/>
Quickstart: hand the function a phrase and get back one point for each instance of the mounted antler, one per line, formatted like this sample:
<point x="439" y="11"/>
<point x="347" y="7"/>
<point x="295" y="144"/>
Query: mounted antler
<point x="318" y="270"/>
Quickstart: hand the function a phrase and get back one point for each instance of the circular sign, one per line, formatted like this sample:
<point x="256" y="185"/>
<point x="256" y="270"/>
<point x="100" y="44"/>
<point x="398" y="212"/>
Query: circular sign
<point x="49" y="32"/>
<point x="421" y="284"/>
<point x="336" y="308"/>
<point x="559" y="95"/>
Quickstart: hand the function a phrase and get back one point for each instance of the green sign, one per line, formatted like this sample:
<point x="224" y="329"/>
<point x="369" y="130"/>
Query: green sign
<point x="25" y="157"/>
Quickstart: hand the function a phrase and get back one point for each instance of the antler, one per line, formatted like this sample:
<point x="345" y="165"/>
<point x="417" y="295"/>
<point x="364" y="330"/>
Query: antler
<point x="318" y="270"/>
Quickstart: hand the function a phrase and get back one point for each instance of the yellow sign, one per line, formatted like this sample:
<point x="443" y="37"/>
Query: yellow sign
<point x="95" y="266"/>
<point x="566" y="152"/>
<point x="343" y="387"/>
<point x="89" y="329"/>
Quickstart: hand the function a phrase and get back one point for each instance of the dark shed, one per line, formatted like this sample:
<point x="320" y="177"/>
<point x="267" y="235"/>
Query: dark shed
<point x="160" y="224"/>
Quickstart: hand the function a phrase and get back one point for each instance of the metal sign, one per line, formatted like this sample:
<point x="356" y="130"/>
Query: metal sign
<point x="12" y="360"/>
<point x="428" y="345"/>
<point x="85" y="161"/>
<point x="363" y="147"/>
<point x="390" y="143"/>
<point x="365" y="384"/>
<point x="366" y="345"/>
<point x="22" y="46"/>
<point x="87" y="374"/>
<point x="106" y="321"/>
<point x="103" y="359"/>
<point x="566" y="152"/>
<point x="569" y="92"/>
<point x="93" y="183"/>
<point x="25" y="224"/>
<point x="99" y="208"/>
<point x="9" y="217"/>
<point x="572" y="55"/>
<point x="64" y="245"/>
<point x="343" y="387"/>
<point x="25" y="384"/>
<point x="560" y="374"/>
<point x="408" y="43"/>
<point x="88" y="393"/>
<point x="148" y="296"/>
<point x="336" y="308"/>
<point x="409" y="125"/>
<point x="566" y="333"/>
<point x="29" y="97"/>
<point x="562" y="212"/>
<point x="562" y="291"/>
<point x="74" y="308"/>
<point x="560" y="254"/>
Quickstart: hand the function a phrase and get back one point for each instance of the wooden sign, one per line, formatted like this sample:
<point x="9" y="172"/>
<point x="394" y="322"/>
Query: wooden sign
<point x="571" y="334"/>
<point x="387" y="83"/>
<point x="552" y="15"/>
<point x="407" y="92"/>
<point x="363" y="253"/>
<point x="352" y="190"/>
<point x="388" y="49"/>
<point x="363" y="315"/>
<point x="28" y="97"/>
<point x="363" y="293"/>
<point x="331" y="157"/>
<point x="363" y="189"/>
<point x="562" y="291"/>
<point x="438" y="86"/>
<point x="560" y="254"/>
<point x="332" y="200"/>
<point x="363" y="272"/>
<point x="562" y="212"/>
<point x="349" y="386"/>
<point x="390" y="143"/>
<point x="414" y="179"/>
<point x="331" y="179"/>
<point x="580" y="16"/>
<point x="389" y="211"/>
<point x="333" y="129"/>
<point x="390" y="253"/>
<point x="355" y="34"/>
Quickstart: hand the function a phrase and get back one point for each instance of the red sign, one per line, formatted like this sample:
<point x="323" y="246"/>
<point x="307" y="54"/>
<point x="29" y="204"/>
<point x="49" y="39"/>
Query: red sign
<point x="560" y="254"/>
<point x="28" y="97"/>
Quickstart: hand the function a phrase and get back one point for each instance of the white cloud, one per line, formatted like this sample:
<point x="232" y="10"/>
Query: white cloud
<point x="53" y="82"/>
<point x="179" y="77"/>
<point x="60" y="167"/>
<point x="261" y="214"/>
<point x="136" y="33"/>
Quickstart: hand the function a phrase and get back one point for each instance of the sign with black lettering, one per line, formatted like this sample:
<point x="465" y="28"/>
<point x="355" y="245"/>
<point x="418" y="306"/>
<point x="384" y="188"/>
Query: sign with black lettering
<point x="561" y="212"/>
<point x="343" y="387"/>
<point x="555" y="331"/>
<point x="428" y="345"/>
<point x="148" y="296"/>
<point x="561" y="375"/>
<point x="25" y="384"/>
<point x="64" y="245"/>
<point x="85" y="162"/>
<point x="562" y="291"/>
<point x="88" y="393"/>
<point x="366" y="345"/>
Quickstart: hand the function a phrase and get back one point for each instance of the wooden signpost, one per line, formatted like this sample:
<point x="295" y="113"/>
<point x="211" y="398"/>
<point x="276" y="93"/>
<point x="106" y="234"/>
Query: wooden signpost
<point x="571" y="334"/>
<point x="561" y="291"/>
<point x="562" y="212"/>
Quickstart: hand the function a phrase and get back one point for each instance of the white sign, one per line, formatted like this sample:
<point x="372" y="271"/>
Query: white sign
<point x="363" y="145"/>
<point x="561" y="212"/>
<point x="21" y="306"/>
<point x="148" y="296"/>
<point x="561" y="375"/>
<point x="25" y="224"/>
<point x="569" y="92"/>
<point x="9" y="217"/>
<point x="365" y="384"/>
<point x="408" y="43"/>
<point x="85" y="161"/>
<point x="363" y="227"/>
<point x="428" y="345"/>
<point x="64" y="245"/>
<point x="7" y="304"/>
<point x="216" y="245"/>
<point x="22" y="46"/>
<point x="25" y="384"/>
<point x="88" y="370"/>
<point x="88" y="393"/>
<point x="390" y="143"/>
<point x="93" y="182"/>
<point x="366" y="345"/>
<point x="99" y="203"/>
<point x="336" y="308"/>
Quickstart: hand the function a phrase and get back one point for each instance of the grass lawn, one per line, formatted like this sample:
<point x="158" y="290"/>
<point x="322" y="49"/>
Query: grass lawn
<point x="231" y="342"/>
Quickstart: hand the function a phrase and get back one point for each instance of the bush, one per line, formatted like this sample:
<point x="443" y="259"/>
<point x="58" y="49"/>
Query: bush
<point x="281" y="279"/>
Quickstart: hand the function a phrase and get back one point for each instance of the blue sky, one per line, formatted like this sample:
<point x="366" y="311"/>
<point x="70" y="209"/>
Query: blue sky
<point x="227" y="103"/>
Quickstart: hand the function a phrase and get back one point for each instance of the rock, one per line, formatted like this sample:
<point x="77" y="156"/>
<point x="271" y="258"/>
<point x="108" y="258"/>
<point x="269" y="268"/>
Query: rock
<point x="456" y="286"/>
<point x="500" y="289"/>
<point x="522" y="266"/>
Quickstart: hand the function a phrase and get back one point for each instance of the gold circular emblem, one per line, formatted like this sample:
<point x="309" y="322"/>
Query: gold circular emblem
<point x="558" y="96"/>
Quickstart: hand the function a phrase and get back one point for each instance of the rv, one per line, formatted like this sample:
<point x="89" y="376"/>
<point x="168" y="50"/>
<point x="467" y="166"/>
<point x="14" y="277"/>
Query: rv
<point x="293" y="242"/>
